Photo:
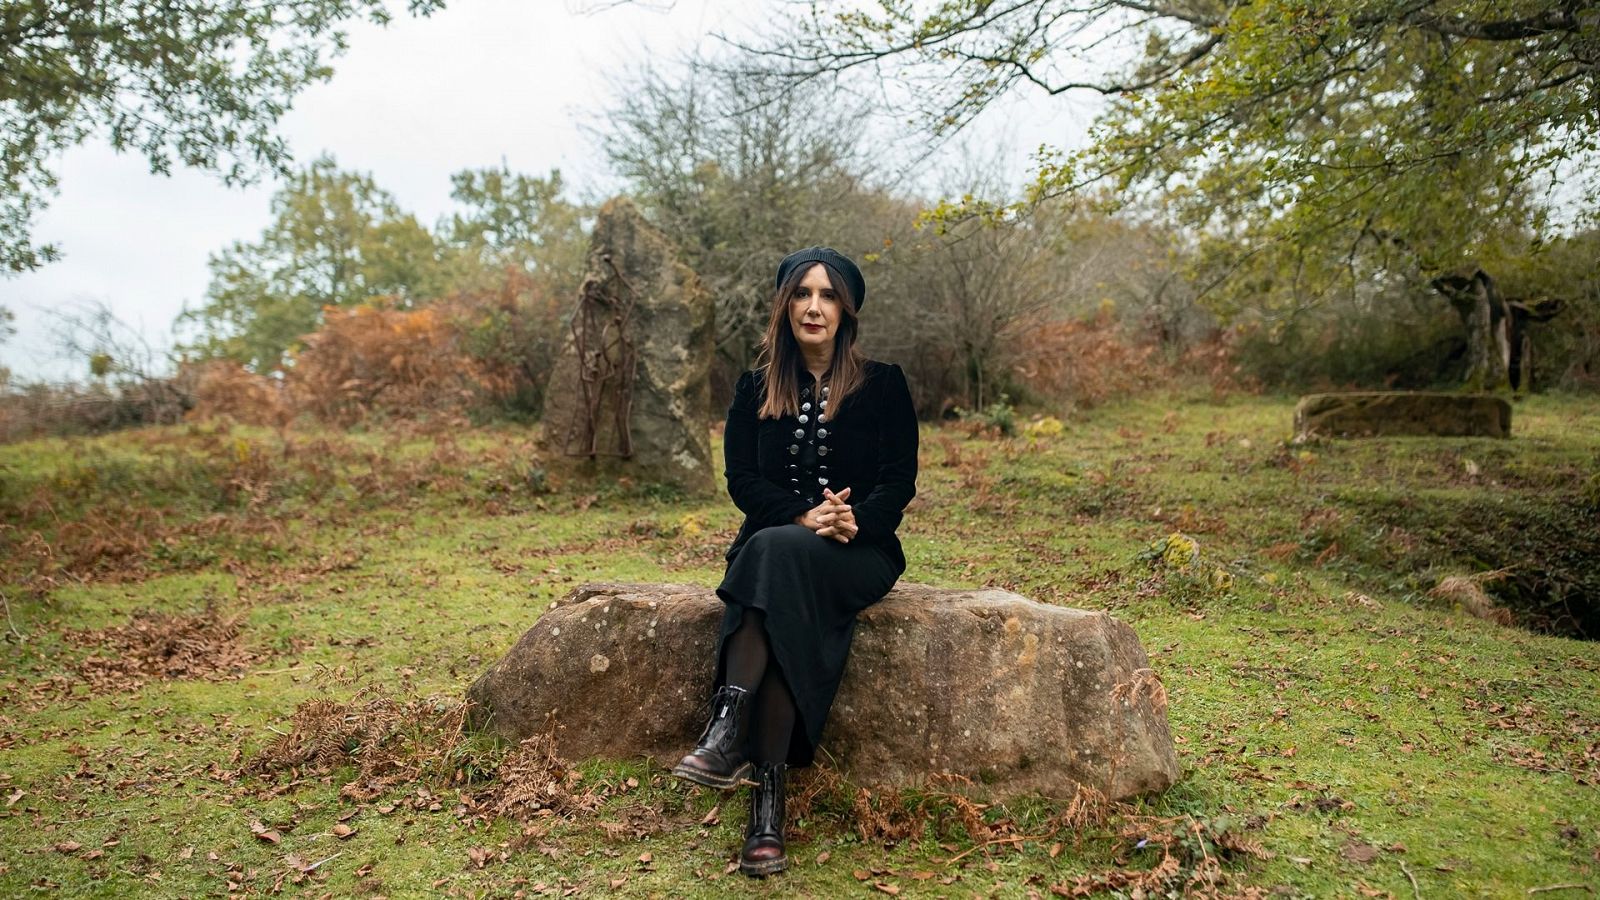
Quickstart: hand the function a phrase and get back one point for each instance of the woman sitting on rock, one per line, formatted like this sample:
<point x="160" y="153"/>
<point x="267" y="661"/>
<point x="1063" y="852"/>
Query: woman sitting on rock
<point x="814" y="426"/>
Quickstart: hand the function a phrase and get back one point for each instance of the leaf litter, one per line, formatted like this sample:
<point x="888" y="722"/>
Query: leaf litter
<point x="154" y="645"/>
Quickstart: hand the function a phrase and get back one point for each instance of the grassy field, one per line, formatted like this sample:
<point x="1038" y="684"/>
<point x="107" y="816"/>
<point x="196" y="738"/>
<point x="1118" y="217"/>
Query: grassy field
<point x="234" y="662"/>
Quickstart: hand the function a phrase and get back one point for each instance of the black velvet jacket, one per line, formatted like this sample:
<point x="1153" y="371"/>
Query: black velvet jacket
<point x="871" y="448"/>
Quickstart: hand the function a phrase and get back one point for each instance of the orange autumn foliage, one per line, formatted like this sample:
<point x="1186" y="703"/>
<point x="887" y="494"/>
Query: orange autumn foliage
<point x="489" y="347"/>
<point x="224" y="388"/>
<point x="1085" y="361"/>
<point x="367" y="359"/>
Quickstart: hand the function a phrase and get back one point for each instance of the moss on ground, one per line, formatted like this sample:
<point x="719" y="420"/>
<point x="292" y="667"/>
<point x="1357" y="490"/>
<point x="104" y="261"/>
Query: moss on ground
<point x="1367" y="737"/>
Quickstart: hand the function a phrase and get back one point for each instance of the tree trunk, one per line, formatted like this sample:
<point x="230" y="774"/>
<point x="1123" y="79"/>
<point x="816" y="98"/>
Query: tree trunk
<point x="1521" y="314"/>
<point x="1477" y="301"/>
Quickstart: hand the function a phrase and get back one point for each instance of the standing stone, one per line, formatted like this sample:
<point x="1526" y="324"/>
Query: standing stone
<point x="1019" y="696"/>
<point x="630" y="390"/>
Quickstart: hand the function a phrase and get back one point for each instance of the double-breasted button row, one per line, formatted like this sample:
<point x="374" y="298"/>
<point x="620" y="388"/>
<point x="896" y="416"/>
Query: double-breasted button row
<point x="809" y="465"/>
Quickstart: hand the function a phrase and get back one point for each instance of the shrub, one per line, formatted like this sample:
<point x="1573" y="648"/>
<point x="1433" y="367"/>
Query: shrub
<point x="40" y="409"/>
<point x="513" y="333"/>
<point x="367" y="360"/>
<point x="1085" y="362"/>
<point x="226" y="388"/>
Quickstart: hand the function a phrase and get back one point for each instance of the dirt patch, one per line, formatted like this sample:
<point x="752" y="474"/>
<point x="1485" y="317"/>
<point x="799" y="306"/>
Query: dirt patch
<point x="160" y="646"/>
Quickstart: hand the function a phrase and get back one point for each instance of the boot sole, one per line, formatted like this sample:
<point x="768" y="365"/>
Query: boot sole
<point x="707" y="779"/>
<point x="764" y="867"/>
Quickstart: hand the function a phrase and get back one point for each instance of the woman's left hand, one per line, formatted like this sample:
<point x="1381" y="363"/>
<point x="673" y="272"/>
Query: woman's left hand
<point x="839" y="522"/>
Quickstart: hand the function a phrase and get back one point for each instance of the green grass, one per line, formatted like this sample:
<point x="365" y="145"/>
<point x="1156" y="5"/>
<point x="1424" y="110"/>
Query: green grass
<point x="1323" y="703"/>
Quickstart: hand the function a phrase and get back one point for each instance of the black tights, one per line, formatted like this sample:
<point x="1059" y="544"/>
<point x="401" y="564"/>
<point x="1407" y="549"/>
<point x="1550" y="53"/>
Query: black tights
<point x="751" y="666"/>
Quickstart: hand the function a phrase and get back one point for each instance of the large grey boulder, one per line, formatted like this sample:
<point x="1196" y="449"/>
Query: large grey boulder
<point x="1019" y="696"/>
<point x="1384" y="413"/>
<point x="630" y="390"/>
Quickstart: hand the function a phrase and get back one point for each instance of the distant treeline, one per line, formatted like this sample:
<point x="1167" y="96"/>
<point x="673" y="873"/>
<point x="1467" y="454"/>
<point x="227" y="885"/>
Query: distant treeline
<point x="348" y="307"/>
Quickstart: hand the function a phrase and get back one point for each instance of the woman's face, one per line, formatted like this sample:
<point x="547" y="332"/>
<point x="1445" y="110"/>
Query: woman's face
<point x="814" y="310"/>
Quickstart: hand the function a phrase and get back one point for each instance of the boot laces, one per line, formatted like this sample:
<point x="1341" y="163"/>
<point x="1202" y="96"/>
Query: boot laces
<point x="716" y="709"/>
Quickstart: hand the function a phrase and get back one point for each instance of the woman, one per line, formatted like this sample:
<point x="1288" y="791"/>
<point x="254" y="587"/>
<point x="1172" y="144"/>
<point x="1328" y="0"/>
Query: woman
<point x="812" y="428"/>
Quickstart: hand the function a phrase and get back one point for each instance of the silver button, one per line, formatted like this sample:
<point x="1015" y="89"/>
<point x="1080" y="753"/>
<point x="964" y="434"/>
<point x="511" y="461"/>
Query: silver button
<point x="804" y="419"/>
<point x="822" y="432"/>
<point x="824" y="390"/>
<point x="822" y="451"/>
<point x="806" y="407"/>
<point x="822" y="481"/>
<point x="801" y="432"/>
<point x="794" y="449"/>
<point x="824" y="403"/>
<point x="821" y="419"/>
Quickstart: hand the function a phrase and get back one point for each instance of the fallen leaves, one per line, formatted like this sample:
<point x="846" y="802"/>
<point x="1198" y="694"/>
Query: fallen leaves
<point x="157" y="645"/>
<point x="1358" y="851"/>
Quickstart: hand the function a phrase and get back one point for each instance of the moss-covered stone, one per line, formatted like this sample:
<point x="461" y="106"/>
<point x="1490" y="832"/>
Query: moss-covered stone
<point x="1388" y="413"/>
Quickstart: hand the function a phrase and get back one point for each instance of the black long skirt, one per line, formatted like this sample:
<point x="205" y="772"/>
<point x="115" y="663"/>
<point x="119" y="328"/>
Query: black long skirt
<point x="811" y="589"/>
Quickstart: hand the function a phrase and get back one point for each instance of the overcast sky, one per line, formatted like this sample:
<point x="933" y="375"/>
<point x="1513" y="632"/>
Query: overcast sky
<point x="482" y="81"/>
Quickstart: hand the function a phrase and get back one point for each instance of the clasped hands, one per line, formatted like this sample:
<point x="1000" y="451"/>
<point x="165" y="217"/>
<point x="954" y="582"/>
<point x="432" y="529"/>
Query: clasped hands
<point x="832" y="518"/>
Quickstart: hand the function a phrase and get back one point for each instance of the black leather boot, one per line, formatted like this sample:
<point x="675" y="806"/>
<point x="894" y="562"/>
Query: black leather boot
<point x="718" y="759"/>
<point x="763" y="852"/>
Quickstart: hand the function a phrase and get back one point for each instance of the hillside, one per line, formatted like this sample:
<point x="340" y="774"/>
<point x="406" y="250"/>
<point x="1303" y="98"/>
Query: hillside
<point x="234" y="660"/>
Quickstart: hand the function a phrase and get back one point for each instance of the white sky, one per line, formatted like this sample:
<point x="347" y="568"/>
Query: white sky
<point x="482" y="81"/>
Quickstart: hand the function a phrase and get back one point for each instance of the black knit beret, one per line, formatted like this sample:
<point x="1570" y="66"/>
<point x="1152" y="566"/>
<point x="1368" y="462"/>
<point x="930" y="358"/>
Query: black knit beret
<point x="839" y="262"/>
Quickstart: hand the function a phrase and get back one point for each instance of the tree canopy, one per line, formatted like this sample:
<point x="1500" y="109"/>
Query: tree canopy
<point x="200" y="85"/>
<point x="338" y="239"/>
<point x="1295" y="134"/>
<point x="737" y="182"/>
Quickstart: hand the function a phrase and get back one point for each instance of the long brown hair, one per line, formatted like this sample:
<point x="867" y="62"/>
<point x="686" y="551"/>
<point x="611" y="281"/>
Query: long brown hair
<point x="780" y="358"/>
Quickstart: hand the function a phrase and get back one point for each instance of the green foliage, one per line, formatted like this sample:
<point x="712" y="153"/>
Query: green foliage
<point x="339" y="240"/>
<point x="511" y="219"/>
<point x="999" y="417"/>
<point x="1567" y="349"/>
<point x="336" y="239"/>
<point x="1304" y="143"/>
<point x="199" y="85"/>
<point x="1393" y="338"/>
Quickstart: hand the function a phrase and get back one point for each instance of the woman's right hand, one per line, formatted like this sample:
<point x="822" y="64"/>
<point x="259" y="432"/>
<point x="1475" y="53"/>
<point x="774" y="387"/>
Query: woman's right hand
<point x="827" y="513"/>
